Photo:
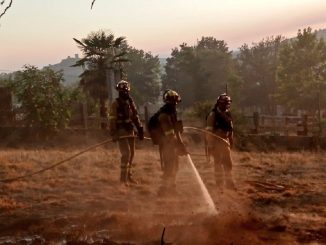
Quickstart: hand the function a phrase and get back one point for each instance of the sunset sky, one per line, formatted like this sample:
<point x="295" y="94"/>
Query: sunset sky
<point x="40" y="32"/>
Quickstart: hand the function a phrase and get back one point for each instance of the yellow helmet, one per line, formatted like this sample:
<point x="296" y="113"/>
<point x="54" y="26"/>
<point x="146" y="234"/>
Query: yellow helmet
<point x="123" y="86"/>
<point x="171" y="96"/>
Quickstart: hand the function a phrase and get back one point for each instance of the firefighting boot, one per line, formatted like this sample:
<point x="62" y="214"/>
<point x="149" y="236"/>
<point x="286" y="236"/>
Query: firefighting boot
<point x="130" y="177"/>
<point x="172" y="187"/>
<point x="219" y="178"/>
<point x="229" y="184"/>
<point x="123" y="176"/>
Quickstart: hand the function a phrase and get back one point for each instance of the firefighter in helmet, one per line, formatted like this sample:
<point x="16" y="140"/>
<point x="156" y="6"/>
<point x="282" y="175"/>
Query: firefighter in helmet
<point x="170" y="142"/>
<point x="123" y="116"/>
<point x="219" y="122"/>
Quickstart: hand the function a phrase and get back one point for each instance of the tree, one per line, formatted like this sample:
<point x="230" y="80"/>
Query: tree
<point x="216" y="67"/>
<point x="256" y="66"/>
<point x="199" y="72"/>
<point x="6" y="7"/>
<point x="179" y="71"/>
<point x="103" y="56"/>
<point x="42" y="97"/>
<point x="143" y="71"/>
<point x="302" y="71"/>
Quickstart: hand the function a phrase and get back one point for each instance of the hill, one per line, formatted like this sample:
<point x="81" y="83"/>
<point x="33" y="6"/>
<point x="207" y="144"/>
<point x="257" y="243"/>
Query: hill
<point x="70" y="74"/>
<point x="321" y="34"/>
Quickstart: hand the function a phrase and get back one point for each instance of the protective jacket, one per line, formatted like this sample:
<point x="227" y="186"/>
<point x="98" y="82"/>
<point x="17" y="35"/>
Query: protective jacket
<point x="219" y="120"/>
<point x="168" y="120"/>
<point x="220" y="123"/>
<point x="122" y="116"/>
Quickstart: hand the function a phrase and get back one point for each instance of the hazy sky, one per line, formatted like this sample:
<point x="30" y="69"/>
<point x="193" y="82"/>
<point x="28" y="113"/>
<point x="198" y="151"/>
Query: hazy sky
<point x="40" y="32"/>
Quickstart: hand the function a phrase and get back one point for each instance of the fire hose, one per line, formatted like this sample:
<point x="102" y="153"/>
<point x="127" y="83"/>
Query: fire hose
<point x="209" y="133"/>
<point x="62" y="161"/>
<point x="8" y="180"/>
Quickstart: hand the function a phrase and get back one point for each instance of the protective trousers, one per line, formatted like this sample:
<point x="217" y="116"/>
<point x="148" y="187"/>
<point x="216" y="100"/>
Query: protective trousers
<point x="170" y="162"/>
<point x="222" y="163"/>
<point x="127" y="150"/>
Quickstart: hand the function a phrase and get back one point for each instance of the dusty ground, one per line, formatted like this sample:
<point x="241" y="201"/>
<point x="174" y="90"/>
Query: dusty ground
<point x="281" y="199"/>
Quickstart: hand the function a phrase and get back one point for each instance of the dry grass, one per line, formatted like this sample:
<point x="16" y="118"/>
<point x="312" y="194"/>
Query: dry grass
<point x="281" y="198"/>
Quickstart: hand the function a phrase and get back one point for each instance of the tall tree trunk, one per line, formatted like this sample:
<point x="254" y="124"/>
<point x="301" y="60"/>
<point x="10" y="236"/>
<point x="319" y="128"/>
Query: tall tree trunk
<point x="110" y="80"/>
<point x="109" y="85"/>
<point x="103" y="114"/>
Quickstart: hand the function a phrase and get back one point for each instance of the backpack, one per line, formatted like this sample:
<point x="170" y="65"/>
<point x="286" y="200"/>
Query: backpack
<point x="154" y="129"/>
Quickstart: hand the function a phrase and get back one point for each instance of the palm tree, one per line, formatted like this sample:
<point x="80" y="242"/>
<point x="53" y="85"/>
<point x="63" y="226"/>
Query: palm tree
<point x="102" y="61"/>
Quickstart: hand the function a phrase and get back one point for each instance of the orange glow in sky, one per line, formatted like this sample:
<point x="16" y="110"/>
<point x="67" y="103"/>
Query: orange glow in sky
<point x="40" y="32"/>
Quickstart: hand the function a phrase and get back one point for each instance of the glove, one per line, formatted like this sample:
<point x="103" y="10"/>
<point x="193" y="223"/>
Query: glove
<point x="140" y="133"/>
<point x="182" y="149"/>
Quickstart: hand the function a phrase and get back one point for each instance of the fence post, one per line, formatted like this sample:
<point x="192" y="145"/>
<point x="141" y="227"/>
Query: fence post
<point x="305" y="124"/>
<point x="286" y="131"/>
<point x="273" y="131"/>
<point x="146" y="114"/>
<point x="256" y="122"/>
<point x="84" y="114"/>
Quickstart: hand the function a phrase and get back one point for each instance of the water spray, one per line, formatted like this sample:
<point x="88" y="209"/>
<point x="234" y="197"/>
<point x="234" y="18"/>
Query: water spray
<point x="211" y="206"/>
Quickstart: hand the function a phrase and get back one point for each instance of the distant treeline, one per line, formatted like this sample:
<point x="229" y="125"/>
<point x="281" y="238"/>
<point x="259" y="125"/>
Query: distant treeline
<point x="274" y="71"/>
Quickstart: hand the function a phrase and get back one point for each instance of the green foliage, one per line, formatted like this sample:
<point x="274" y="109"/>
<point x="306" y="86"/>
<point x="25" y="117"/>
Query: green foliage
<point x="257" y="67"/>
<point x="143" y="71"/>
<point x="42" y="97"/>
<point x="102" y="53"/>
<point x="102" y="61"/>
<point x="234" y="89"/>
<point x="240" y="122"/>
<point x="201" y="109"/>
<point x="302" y="71"/>
<point x="4" y="82"/>
<point x="199" y="72"/>
<point x="179" y="71"/>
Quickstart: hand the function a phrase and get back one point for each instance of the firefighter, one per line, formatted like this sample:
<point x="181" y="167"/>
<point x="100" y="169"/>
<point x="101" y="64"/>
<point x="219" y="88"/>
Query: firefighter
<point x="219" y="122"/>
<point x="123" y="116"/>
<point x="170" y="142"/>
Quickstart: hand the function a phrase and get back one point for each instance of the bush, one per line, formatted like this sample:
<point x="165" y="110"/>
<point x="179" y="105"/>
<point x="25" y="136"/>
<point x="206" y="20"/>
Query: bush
<point x="44" y="100"/>
<point x="200" y="110"/>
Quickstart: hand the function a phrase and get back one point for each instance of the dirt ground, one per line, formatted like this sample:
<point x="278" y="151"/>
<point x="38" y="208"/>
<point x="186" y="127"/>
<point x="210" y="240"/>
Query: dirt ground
<point x="280" y="199"/>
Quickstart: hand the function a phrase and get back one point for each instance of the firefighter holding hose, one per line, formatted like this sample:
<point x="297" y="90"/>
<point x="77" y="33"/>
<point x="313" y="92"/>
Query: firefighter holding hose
<point x="219" y="122"/>
<point x="165" y="130"/>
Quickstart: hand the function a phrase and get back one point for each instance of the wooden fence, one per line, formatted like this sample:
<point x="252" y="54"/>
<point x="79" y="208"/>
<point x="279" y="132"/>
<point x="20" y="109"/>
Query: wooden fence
<point x="259" y="124"/>
<point x="305" y="125"/>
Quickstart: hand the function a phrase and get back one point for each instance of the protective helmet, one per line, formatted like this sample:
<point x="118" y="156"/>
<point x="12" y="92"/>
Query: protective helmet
<point x="224" y="99"/>
<point x="123" y="86"/>
<point x="171" y="96"/>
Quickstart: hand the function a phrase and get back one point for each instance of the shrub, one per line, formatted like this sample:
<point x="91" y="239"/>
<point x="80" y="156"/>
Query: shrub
<point x="43" y="98"/>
